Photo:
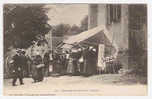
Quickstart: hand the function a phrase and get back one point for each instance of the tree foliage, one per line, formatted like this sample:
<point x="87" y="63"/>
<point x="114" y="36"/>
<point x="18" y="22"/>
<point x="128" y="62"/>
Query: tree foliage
<point x="65" y="29"/>
<point x="75" y="29"/>
<point x="84" y="24"/>
<point x="61" y="30"/>
<point x="23" y="24"/>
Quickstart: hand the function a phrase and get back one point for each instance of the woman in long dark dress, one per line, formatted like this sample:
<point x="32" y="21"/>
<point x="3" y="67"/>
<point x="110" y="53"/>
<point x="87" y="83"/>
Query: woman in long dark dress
<point x="76" y="56"/>
<point x="90" y="62"/>
<point x="37" y="69"/>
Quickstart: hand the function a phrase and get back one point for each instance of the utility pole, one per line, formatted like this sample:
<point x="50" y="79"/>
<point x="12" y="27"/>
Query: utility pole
<point x="50" y="40"/>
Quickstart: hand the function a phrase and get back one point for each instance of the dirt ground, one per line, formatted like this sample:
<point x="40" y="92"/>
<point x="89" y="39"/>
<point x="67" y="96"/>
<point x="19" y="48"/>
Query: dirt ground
<point x="98" y="85"/>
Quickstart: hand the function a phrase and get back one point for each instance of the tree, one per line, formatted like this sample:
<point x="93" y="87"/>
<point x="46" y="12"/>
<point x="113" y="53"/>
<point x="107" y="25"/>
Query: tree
<point x="65" y="29"/>
<point x="84" y="24"/>
<point x="74" y="30"/>
<point x="23" y="24"/>
<point x="61" y="30"/>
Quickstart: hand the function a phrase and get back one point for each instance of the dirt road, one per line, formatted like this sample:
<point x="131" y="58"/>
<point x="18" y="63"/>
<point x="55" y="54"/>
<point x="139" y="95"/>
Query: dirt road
<point x="103" y="85"/>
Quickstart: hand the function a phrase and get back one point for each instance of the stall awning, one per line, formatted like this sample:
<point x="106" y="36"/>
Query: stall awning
<point x="83" y="36"/>
<point x="87" y="34"/>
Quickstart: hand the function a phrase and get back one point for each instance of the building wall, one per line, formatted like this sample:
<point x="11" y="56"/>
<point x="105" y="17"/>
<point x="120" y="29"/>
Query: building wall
<point x="138" y="36"/>
<point x="101" y="16"/>
<point x="92" y="18"/>
<point x="130" y="33"/>
<point x="118" y="30"/>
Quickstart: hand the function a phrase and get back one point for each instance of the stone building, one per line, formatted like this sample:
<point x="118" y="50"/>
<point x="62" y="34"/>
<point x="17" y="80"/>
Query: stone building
<point x="128" y="27"/>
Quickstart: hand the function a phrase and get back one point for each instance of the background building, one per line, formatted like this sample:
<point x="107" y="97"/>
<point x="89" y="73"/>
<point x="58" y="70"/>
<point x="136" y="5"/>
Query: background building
<point x="127" y="25"/>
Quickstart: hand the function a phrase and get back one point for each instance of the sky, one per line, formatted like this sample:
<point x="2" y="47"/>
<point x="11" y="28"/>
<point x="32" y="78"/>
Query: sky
<point x="67" y="13"/>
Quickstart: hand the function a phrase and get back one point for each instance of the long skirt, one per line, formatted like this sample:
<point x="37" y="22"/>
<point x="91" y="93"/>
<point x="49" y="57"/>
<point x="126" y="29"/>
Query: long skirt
<point x="89" y="67"/>
<point x="37" y="73"/>
<point x="46" y="70"/>
<point x="70" y="68"/>
<point x="81" y="67"/>
<point x="40" y="74"/>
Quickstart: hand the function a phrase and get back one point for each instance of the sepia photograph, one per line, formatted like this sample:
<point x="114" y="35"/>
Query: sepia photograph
<point x="75" y="49"/>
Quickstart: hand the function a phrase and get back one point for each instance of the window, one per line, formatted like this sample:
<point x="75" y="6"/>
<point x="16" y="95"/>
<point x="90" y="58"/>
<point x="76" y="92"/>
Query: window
<point x="113" y="13"/>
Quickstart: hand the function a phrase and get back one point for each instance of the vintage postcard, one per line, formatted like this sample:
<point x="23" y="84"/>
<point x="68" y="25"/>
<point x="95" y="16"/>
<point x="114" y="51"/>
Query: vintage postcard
<point x="75" y="49"/>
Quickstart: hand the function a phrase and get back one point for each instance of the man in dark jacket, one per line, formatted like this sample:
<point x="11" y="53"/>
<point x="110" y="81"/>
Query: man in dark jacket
<point x="18" y="68"/>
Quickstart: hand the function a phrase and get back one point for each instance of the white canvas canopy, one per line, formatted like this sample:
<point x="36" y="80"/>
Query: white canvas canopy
<point x="87" y="34"/>
<point x="83" y="36"/>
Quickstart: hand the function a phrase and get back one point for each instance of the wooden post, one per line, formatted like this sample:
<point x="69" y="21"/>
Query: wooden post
<point x="101" y="64"/>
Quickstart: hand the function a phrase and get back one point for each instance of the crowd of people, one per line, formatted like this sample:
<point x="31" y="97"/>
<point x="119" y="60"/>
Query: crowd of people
<point x="74" y="62"/>
<point x="70" y="62"/>
<point x="23" y="66"/>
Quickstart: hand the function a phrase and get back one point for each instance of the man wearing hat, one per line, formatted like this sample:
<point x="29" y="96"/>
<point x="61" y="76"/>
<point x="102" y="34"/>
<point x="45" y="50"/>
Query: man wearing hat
<point x="18" y="68"/>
